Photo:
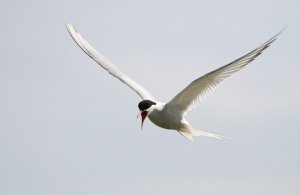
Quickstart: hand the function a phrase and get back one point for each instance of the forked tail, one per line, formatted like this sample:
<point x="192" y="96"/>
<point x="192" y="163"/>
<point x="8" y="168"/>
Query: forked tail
<point x="190" y="132"/>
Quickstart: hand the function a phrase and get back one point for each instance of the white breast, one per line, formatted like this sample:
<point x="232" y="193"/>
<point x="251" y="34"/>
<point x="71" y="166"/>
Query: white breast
<point x="166" y="118"/>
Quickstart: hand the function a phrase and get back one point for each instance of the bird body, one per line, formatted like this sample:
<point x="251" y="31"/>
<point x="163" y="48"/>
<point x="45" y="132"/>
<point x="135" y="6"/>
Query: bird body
<point x="171" y="115"/>
<point x="165" y="117"/>
<point x="170" y="118"/>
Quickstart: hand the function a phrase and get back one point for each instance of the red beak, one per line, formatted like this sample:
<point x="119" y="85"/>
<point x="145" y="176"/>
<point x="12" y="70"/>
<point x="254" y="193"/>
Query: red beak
<point x="143" y="115"/>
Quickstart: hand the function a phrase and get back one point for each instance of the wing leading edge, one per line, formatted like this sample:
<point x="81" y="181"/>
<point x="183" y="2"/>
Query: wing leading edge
<point x="106" y="64"/>
<point x="200" y="88"/>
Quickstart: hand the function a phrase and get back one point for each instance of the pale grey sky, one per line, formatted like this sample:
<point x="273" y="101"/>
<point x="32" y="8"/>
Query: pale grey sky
<point x="68" y="127"/>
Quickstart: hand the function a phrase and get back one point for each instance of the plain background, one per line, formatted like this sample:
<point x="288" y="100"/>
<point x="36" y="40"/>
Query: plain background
<point x="68" y="127"/>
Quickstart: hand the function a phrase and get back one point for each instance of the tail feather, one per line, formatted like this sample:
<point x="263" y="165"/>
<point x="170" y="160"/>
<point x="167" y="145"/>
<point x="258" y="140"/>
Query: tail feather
<point x="187" y="135"/>
<point x="197" y="132"/>
<point x="190" y="132"/>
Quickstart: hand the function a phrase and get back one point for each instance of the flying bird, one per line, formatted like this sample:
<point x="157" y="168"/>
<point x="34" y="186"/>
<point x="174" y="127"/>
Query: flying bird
<point x="171" y="115"/>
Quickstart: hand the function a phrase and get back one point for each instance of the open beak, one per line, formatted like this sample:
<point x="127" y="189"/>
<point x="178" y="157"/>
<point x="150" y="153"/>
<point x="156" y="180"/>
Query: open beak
<point x="143" y="115"/>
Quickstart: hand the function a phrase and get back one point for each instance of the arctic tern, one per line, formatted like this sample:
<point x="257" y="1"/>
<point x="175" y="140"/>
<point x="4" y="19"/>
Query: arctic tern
<point x="171" y="115"/>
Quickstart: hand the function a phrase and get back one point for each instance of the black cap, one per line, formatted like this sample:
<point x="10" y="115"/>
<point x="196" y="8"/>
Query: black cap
<point x="145" y="104"/>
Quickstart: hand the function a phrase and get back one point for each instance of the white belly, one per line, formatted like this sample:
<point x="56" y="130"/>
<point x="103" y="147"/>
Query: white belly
<point x="166" y="118"/>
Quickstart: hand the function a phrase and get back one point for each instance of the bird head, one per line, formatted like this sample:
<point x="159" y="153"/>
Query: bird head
<point x="145" y="106"/>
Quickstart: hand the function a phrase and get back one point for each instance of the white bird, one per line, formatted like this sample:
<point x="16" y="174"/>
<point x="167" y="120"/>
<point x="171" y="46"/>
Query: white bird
<point x="171" y="115"/>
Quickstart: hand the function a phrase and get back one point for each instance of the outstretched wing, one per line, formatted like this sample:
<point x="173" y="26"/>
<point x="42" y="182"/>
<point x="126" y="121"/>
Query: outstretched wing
<point x="203" y="86"/>
<point x="106" y="64"/>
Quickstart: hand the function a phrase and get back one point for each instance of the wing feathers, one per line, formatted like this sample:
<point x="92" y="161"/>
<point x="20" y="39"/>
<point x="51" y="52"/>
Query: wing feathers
<point x="106" y="64"/>
<point x="200" y="88"/>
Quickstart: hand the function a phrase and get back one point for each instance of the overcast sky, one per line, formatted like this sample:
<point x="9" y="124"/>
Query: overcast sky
<point x="68" y="127"/>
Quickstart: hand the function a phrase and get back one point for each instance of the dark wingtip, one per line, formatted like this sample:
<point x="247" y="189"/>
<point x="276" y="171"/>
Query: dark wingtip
<point x="276" y="35"/>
